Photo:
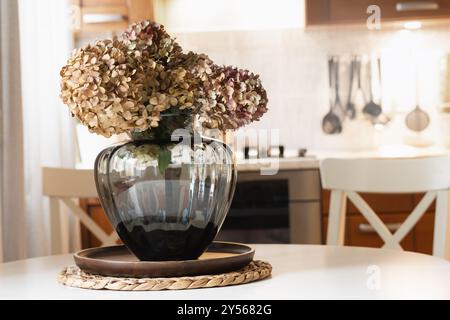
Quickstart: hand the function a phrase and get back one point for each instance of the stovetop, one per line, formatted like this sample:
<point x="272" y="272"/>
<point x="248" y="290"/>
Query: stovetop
<point x="274" y="153"/>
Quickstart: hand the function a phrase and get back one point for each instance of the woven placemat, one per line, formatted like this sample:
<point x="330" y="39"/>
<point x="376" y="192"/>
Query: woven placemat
<point x="72" y="276"/>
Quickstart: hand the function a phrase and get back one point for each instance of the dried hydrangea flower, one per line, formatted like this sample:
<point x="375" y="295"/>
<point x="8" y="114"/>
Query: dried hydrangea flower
<point x="131" y="83"/>
<point x="196" y="70"/>
<point x="199" y="65"/>
<point x="112" y="92"/>
<point x="239" y="99"/>
<point x="149" y="40"/>
<point x="105" y="88"/>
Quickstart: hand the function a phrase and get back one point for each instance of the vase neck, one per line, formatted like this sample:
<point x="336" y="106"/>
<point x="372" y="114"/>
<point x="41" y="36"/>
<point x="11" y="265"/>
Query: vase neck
<point x="166" y="128"/>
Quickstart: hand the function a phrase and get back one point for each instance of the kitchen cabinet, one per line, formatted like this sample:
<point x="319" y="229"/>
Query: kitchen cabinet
<point x="95" y="211"/>
<point x="362" y="234"/>
<point x="331" y="12"/>
<point x="423" y="234"/>
<point x="109" y="16"/>
<point x="392" y="209"/>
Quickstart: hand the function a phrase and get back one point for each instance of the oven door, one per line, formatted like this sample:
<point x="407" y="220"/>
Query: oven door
<point x="259" y="213"/>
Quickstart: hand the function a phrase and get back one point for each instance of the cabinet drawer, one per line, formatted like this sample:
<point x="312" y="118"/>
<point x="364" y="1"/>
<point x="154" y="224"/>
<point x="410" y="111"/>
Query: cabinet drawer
<point x="380" y="203"/>
<point x="359" y="233"/>
<point x="423" y="234"/>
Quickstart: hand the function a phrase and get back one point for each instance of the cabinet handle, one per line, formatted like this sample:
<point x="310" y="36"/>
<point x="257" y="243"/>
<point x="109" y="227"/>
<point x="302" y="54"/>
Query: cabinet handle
<point x="367" y="228"/>
<point x="416" y="6"/>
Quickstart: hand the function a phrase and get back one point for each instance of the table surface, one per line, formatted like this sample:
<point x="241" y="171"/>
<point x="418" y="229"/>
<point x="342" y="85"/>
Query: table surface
<point x="299" y="272"/>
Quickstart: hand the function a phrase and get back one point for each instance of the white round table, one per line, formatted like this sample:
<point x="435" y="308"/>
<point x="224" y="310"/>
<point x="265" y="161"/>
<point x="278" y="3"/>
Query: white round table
<point x="299" y="272"/>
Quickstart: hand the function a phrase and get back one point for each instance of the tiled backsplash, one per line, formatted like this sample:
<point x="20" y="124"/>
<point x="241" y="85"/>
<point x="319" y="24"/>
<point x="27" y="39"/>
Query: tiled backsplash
<point x="293" y="67"/>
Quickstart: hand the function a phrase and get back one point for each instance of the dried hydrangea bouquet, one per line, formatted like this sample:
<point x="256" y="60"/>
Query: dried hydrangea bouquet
<point x="166" y="199"/>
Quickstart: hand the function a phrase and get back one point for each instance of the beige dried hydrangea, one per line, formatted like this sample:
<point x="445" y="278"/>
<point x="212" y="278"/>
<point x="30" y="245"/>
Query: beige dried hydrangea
<point x="96" y="86"/>
<point x="127" y="85"/>
<point x="150" y="40"/>
<point x="112" y="93"/>
<point x="197" y="76"/>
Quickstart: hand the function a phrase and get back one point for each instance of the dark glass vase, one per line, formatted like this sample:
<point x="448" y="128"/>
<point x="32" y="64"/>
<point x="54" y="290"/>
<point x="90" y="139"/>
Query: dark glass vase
<point x="166" y="199"/>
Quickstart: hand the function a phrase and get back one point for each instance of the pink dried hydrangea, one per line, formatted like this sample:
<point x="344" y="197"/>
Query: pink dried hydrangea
<point x="238" y="98"/>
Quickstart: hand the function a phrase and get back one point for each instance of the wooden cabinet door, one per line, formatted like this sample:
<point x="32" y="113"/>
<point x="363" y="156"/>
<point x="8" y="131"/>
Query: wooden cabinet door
<point x="392" y="209"/>
<point x="135" y="10"/>
<point x="102" y="3"/>
<point x="322" y="12"/>
<point x="139" y="10"/>
<point x="118" y="14"/>
<point x="380" y="203"/>
<point x="96" y="212"/>
<point x="361" y="234"/>
<point x="423" y="234"/>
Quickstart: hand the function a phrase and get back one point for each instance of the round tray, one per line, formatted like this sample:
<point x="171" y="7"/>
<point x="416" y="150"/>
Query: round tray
<point x="117" y="261"/>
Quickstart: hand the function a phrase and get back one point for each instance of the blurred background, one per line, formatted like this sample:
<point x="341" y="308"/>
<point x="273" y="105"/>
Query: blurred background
<point x="307" y="52"/>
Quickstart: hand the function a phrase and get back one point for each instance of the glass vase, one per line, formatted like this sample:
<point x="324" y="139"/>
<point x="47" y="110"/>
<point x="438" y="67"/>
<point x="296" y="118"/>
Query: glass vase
<point x="166" y="195"/>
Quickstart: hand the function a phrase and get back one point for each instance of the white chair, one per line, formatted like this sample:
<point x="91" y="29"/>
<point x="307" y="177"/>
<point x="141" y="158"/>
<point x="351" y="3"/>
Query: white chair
<point x="63" y="185"/>
<point x="346" y="177"/>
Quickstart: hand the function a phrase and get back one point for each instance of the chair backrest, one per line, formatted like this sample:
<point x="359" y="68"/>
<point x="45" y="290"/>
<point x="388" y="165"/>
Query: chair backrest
<point x="348" y="177"/>
<point x="406" y="175"/>
<point x="65" y="182"/>
<point x="62" y="185"/>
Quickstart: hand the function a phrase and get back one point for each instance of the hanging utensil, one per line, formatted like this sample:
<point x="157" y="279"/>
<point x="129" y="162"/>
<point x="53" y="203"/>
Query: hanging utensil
<point x="382" y="119"/>
<point x="350" y="110"/>
<point x="338" y="107"/>
<point x="371" y="109"/>
<point x="360" y="97"/>
<point x="417" y="120"/>
<point x="331" y="123"/>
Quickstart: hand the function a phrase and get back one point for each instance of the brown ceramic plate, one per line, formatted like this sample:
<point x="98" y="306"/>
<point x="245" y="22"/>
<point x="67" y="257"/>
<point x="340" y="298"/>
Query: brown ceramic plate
<point x="117" y="261"/>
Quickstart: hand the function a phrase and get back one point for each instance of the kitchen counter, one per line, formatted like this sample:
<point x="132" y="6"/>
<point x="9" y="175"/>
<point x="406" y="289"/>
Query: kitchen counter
<point x="282" y="164"/>
<point x="312" y="160"/>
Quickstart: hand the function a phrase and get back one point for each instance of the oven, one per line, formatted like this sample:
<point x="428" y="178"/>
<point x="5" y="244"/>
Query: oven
<point x="284" y="208"/>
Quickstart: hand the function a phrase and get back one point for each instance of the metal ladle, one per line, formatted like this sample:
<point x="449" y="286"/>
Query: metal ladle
<point x="338" y="107"/>
<point x="371" y="109"/>
<point x="382" y="119"/>
<point x="331" y="123"/>
<point x="350" y="109"/>
<point x="360" y="97"/>
<point x="417" y="120"/>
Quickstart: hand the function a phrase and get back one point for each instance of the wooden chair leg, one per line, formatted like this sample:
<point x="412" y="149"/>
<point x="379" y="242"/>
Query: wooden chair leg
<point x="336" y="222"/>
<point x="55" y="226"/>
<point x="441" y="239"/>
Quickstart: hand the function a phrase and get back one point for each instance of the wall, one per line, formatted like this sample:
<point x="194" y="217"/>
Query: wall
<point x="293" y="66"/>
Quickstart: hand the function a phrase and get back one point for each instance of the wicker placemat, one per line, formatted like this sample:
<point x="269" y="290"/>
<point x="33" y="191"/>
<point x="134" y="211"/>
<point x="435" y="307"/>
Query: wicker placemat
<point x="72" y="276"/>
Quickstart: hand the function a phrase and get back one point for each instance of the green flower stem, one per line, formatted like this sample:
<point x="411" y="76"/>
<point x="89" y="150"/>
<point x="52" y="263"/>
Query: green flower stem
<point x="164" y="157"/>
<point x="160" y="136"/>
